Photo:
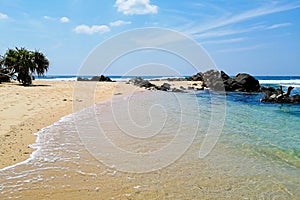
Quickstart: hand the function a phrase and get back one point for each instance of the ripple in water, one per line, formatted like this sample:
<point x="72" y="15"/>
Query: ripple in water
<point x="240" y="165"/>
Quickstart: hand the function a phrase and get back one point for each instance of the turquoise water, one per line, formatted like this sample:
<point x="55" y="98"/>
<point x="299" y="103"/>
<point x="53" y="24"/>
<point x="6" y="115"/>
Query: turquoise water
<point x="271" y="130"/>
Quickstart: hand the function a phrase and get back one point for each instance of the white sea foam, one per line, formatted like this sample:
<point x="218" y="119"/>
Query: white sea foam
<point x="57" y="79"/>
<point x="295" y="81"/>
<point x="286" y="83"/>
<point x="120" y="79"/>
<point x="37" y="145"/>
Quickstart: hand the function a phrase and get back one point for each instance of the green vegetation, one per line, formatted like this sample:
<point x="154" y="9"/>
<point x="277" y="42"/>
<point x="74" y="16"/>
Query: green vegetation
<point x="21" y="64"/>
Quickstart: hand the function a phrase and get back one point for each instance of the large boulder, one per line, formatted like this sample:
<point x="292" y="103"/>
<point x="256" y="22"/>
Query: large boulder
<point x="242" y="83"/>
<point x="213" y="80"/>
<point x="220" y="81"/>
<point x="104" y="78"/>
<point x="165" y="87"/>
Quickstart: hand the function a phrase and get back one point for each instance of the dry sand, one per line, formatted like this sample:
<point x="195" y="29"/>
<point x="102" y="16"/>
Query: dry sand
<point x="25" y="110"/>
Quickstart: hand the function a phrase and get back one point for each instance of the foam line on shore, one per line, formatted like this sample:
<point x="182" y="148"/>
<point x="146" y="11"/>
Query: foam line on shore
<point x="35" y="145"/>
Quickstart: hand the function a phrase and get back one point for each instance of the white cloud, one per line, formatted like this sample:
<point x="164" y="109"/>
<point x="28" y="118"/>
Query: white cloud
<point x="225" y="41"/>
<point x="279" y="25"/>
<point x="3" y="16"/>
<point x="135" y="7"/>
<point x="49" y="18"/>
<point x="119" y="23"/>
<point x="247" y="15"/>
<point x="227" y="32"/>
<point x="64" y="20"/>
<point x="84" y="29"/>
<point x="249" y="48"/>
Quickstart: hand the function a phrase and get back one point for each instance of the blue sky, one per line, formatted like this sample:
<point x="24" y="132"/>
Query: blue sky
<point x="259" y="37"/>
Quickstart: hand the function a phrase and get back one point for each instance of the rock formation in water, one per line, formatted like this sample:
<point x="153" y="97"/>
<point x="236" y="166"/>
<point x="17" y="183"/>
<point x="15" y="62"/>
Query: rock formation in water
<point x="242" y="83"/>
<point x="273" y="95"/>
<point x="220" y="81"/>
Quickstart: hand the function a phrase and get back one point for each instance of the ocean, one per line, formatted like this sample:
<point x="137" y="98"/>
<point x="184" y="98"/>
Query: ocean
<point x="163" y="145"/>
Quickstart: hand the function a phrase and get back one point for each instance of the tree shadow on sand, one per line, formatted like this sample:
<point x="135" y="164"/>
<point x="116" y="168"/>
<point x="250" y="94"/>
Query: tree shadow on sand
<point x="36" y="85"/>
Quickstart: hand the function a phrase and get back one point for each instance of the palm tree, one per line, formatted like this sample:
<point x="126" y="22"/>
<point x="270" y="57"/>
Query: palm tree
<point x="41" y="63"/>
<point x="23" y="63"/>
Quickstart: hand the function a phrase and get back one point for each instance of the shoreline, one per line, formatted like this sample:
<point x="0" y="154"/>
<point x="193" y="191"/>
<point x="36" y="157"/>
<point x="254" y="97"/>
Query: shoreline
<point x="24" y="111"/>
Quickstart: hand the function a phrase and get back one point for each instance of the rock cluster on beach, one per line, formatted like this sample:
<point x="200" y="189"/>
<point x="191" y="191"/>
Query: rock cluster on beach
<point x="138" y="81"/>
<point x="101" y="78"/>
<point x="220" y="81"/>
<point x="212" y="79"/>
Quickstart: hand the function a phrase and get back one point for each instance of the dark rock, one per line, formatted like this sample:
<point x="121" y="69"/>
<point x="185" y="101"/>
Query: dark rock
<point x="177" y="90"/>
<point x="141" y="82"/>
<point x="224" y="76"/>
<point x="196" y="77"/>
<point x="243" y="83"/>
<point x="95" y="78"/>
<point x="220" y="81"/>
<point x="165" y="87"/>
<point x="105" y="78"/>
<point x="269" y="91"/>
<point x="273" y="95"/>
<point x="190" y="88"/>
<point x="295" y="98"/>
<point x="182" y="88"/>
<point x="81" y="79"/>
<point x="101" y="78"/>
<point x="213" y="80"/>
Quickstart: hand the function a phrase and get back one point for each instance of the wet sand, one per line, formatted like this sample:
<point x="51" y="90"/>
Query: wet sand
<point x="26" y="110"/>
